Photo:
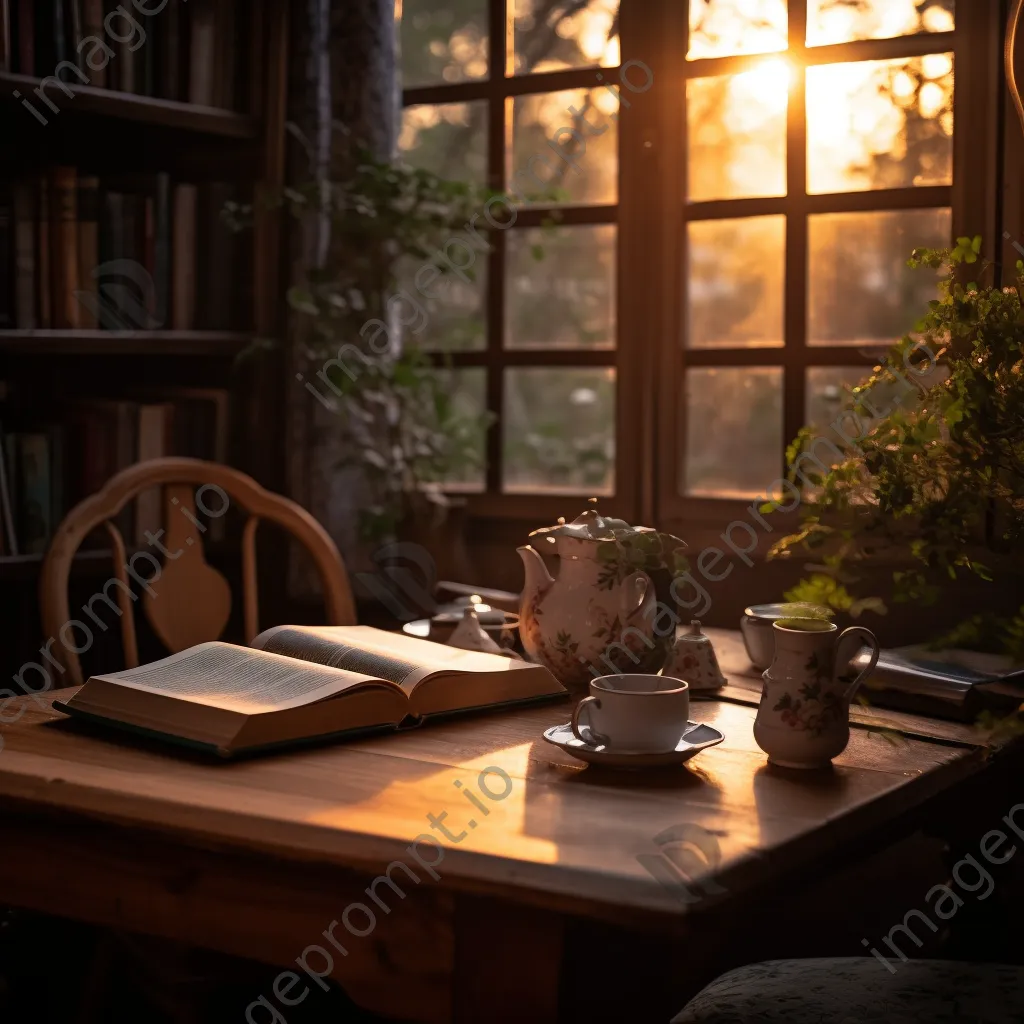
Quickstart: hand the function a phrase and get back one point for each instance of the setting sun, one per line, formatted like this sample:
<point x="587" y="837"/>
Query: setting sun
<point x="768" y="84"/>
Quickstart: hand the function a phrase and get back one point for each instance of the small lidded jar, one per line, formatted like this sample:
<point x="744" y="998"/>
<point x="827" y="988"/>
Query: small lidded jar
<point x="693" y="660"/>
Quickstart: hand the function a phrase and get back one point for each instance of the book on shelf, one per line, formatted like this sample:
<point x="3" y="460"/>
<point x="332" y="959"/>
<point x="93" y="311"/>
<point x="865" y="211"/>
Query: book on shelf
<point x="43" y="290"/>
<point x="298" y="684"/>
<point x="8" y="258"/>
<point x="127" y="253"/>
<point x="92" y="28"/>
<point x="86" y="299"/>
<point x="64" y="247"/>
<point x="183" y="262"/>
<point x="75" y="457"/>
<point x="143" y="55"/>
<point x="25" y="256"/>
<point x="202" y="54"/>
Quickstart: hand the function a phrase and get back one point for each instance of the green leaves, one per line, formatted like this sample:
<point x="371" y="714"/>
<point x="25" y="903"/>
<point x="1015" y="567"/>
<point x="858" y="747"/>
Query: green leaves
<point x="938" y="484"/>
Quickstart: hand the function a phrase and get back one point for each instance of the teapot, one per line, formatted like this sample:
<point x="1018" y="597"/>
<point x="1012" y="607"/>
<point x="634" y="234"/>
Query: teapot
<point x="596" y="617"/>
<point x="803" y="720"/>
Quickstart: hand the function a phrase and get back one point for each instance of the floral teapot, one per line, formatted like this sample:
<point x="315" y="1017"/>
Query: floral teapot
<point x="597" y="617"/>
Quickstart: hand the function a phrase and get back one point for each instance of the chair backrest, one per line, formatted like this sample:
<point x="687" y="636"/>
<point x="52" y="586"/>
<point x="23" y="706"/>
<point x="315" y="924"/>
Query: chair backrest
<point x="186" y="600"/>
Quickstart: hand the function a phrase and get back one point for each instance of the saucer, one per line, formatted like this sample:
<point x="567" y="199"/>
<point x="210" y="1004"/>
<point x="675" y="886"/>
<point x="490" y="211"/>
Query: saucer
<point x="694" y="739"/>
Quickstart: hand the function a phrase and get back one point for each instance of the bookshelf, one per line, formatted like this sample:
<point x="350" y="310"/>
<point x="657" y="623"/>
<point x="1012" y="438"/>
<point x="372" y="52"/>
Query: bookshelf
<point x="149" y="110"/>
<point x="162" y="135"/>
<point x="138" y="343"/>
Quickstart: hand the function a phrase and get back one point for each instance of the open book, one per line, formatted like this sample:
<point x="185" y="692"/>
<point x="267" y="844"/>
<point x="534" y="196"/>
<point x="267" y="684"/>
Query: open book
<point x="301" y="683"/>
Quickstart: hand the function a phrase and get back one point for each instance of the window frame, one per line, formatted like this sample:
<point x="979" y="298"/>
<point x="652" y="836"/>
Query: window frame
<point x="652" y="213"/>
<point x="975" y="44"/>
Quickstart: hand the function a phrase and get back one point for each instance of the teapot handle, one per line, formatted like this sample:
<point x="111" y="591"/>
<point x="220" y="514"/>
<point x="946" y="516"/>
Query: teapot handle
<point x="867" y="639"/>
<point x="636" y="595"/>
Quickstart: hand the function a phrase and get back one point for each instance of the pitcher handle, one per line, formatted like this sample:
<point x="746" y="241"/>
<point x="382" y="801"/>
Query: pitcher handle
<point x="636" y="595"/>
<point x="868" y="639"/>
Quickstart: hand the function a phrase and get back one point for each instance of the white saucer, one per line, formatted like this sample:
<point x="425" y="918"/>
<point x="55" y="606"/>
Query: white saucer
<point x="693" y="741"/>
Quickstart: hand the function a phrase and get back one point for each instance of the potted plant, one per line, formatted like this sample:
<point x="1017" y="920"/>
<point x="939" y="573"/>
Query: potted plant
<point x="936" y="488"/>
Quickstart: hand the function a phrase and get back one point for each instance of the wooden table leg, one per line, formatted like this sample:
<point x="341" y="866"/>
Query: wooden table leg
<point x="508" y="962"/>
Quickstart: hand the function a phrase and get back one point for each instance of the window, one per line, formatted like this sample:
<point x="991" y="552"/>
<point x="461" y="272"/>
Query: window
<point x="818" y="153"/>
<point x="727" y="202"/>
<point x="520" y="101"/>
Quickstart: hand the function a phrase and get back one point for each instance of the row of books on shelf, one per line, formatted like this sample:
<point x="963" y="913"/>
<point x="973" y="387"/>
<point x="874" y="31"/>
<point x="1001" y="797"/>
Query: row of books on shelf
<point x="138" y="253"/>
<point x="45" y="470"/>
<point x="168" y="49"/>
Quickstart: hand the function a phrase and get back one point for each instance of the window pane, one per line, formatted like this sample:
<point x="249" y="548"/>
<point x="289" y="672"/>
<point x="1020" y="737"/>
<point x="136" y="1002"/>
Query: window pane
<point x="736" y="133"/>
<point x="733" y="430"/>
<point x="837" y="21"/>
<point x="860" y="289"/>
<point x="468" y="393"/>
<point x="561" y="288"/>
<point x="441" y="42"/>
<point x="828" y="395"/>
<point x="559" y="430"/>
<point x="449" y="139"/>
<point x="736" y="282"/>
<point x="587" y="173"/>
<point x="880" y="124"/>
<point x="565" y="34"/>
<point x="720" y="28"/>
<point x="444" y="313"/>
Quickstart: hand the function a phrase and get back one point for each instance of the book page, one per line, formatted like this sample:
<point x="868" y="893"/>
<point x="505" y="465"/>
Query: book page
<point x="239" y="679"/>
<point x="402" y="659"/>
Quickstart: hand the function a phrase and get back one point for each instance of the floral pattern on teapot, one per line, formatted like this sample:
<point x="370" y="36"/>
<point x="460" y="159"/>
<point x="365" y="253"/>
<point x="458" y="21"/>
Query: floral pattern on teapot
<point x="596" y="617"/>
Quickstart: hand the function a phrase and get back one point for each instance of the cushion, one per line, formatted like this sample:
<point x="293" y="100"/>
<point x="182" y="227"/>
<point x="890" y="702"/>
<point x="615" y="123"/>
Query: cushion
<point x="861" y="990"/>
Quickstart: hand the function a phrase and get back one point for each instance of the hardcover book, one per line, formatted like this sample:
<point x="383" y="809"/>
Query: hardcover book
<point x="301" y="683"/>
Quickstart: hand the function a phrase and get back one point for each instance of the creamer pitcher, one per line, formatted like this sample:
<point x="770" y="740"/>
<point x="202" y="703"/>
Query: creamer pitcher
<point x="803" y="720"/>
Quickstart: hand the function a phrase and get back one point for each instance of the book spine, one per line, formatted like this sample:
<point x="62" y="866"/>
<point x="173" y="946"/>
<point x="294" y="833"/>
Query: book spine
<point x="26" y="37"/>
<point x="43" y="295"/>
<point x="6" y="48"/>
<point x="25" y="256"/>
<point x="43" y="32"/>
<point x="88" y="251"/>
<point x="146" y="57"/>
<point x="7" y="250"/>
<point x="8" y="470"/>
<point x="64" y="247"/>
<point x="60" y="48"/>
<point x="75" y="36"/>
<point x="93" y="29"/>
<point x="216" y="244"/>
<point x="202" y="54"/>
<point x="127" y="66"/>
<point x="226" y="62"/>
<point x="162" y="248"/>
<point x="34" y="524"/>
<point x="57" y="469"/>
<point x="170" y="63"/>
<point x="131" y="232"/>
<point x="148" y="210"/>
<point x="183" y="255"/>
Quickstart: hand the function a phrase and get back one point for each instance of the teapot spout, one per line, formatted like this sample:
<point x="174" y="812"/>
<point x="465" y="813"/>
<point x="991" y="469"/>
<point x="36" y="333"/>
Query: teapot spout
<point x="538" y="579"/>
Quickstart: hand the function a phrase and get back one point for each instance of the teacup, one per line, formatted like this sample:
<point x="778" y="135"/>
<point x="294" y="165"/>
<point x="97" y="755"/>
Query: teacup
<point x="633" y="712"/>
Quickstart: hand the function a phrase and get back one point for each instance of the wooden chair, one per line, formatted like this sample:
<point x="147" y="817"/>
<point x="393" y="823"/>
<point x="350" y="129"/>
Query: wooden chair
<point x="185" y="599"/>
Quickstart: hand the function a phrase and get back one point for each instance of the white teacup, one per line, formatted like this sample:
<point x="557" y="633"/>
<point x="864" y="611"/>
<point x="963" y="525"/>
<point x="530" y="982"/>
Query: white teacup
<point x="641" y="713"/>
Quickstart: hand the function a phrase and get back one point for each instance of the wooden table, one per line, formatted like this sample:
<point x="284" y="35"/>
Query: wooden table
<point x="258" y="858"/>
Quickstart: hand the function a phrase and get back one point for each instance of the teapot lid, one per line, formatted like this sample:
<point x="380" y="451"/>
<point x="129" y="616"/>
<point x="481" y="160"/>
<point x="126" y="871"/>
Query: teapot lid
<point x="589" y="525"/>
